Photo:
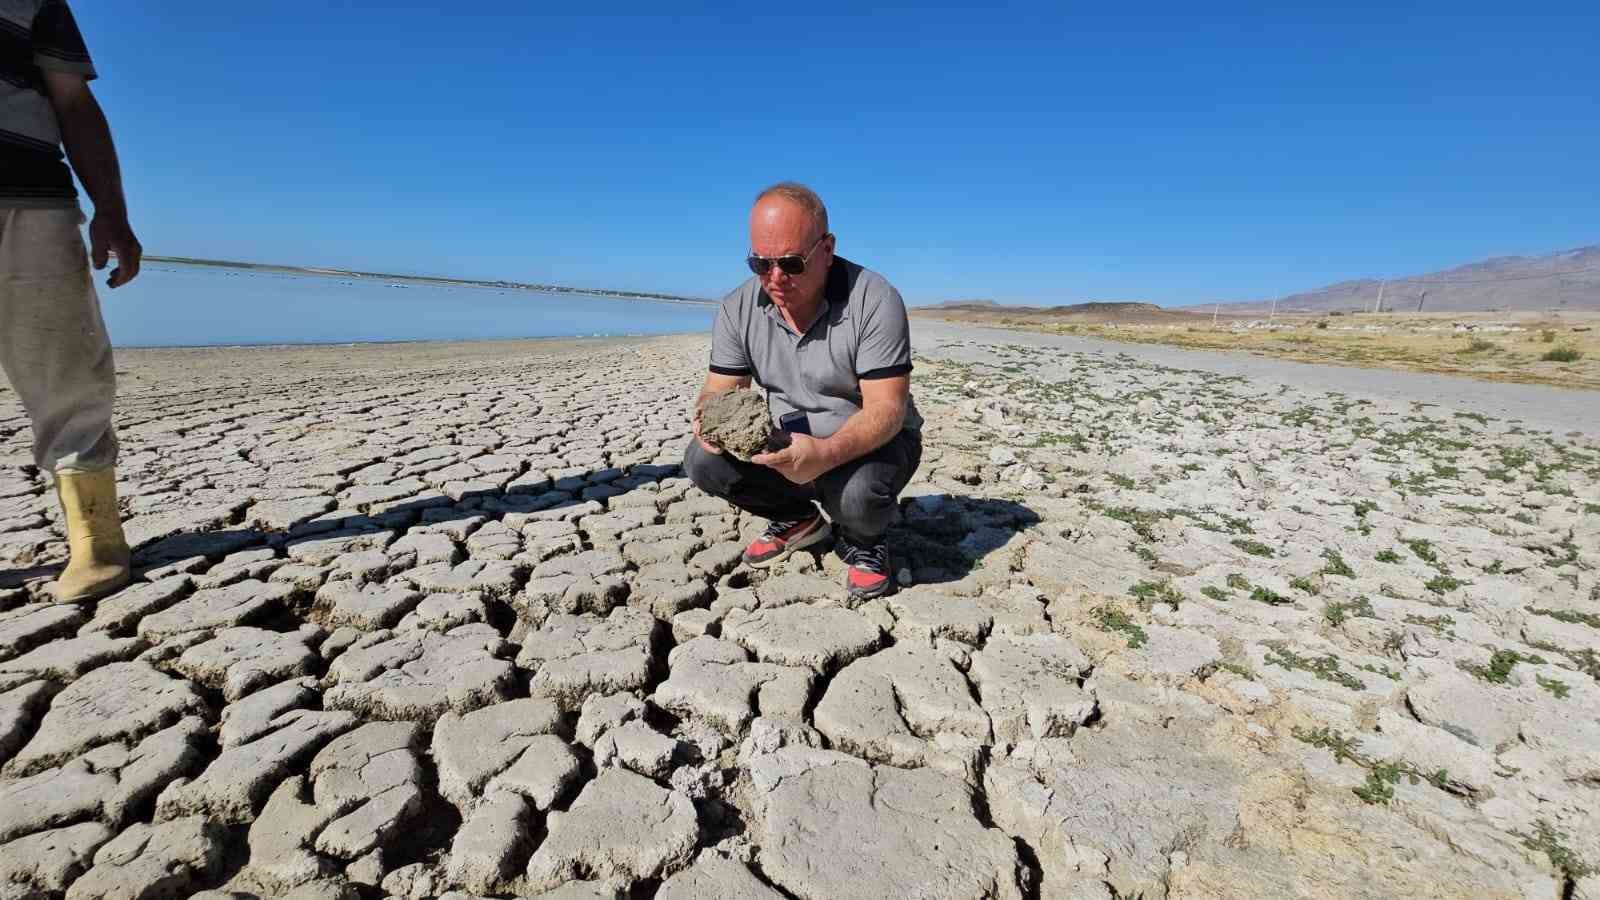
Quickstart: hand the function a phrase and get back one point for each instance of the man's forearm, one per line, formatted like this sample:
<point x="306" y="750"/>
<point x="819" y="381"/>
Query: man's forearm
<point x="863" y="433"/>
<point x="87" y="137"/>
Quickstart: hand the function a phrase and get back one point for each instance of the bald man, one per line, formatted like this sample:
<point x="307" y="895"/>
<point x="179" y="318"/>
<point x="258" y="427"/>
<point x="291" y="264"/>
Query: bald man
<point x="829" y="342"/>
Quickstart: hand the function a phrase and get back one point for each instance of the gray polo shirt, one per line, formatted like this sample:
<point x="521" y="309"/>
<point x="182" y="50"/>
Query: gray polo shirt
<point x="861" y="334"/>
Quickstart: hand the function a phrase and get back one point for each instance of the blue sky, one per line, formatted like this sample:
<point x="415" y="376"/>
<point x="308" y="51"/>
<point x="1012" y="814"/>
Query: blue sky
<point x="1022" y="152"/>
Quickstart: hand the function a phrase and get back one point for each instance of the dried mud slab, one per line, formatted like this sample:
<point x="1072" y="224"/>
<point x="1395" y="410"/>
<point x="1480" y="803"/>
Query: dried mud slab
<point x="736" y="421"/>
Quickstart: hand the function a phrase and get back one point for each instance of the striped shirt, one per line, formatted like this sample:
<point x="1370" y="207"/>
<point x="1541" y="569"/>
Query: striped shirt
<point x="36" y="36"/>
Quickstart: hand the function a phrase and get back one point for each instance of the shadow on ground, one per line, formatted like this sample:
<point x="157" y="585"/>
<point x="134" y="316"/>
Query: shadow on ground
<point x="943" y="537"/>
<point x="939" y="537"/>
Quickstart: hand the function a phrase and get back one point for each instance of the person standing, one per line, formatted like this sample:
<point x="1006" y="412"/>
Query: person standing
<point x="53" y="342"/>
<point x="830" y="342"/>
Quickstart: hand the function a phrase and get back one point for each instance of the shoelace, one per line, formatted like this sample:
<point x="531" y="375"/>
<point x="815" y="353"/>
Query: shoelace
<point x="777" y="529"/>
<point x="874" y="558"/>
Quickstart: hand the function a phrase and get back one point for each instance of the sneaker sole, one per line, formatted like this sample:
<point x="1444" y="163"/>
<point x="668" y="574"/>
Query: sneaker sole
<point x="824" y="532"/>
<point x="860" y="596"/>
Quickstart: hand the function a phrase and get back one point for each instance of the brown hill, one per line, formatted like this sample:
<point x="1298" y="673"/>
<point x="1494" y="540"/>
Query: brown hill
<point x="1565" y="281"/>
<point x="1083" y="313"/>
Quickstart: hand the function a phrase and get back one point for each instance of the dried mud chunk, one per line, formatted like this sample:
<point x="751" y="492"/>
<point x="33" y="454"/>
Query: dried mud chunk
<point x="736" y="421"/>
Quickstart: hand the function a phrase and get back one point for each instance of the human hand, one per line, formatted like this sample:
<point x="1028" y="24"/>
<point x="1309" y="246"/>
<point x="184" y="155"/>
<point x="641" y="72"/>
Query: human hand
<point x="801" y="462"/>
<point x="112" y="234"/>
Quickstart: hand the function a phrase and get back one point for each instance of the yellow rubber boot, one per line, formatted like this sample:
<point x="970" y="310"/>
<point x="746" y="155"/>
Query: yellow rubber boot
<point x="99" y="562"/>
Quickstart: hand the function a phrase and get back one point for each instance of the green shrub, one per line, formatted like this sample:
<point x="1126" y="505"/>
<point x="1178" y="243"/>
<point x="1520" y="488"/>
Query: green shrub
<point x="1109" y="618"/>
<point x="1562" y="354"/>
<point x="1254" y="548"/>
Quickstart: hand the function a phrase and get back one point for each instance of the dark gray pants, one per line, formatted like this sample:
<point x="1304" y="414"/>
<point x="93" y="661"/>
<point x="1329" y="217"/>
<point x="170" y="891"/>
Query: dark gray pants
<point x="859" y="496"/>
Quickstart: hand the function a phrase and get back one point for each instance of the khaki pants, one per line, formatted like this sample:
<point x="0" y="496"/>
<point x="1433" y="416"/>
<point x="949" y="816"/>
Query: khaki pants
<point x="53" y="342"/>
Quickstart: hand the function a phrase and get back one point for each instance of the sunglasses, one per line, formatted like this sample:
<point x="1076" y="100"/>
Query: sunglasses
<point x="788" y="265"/>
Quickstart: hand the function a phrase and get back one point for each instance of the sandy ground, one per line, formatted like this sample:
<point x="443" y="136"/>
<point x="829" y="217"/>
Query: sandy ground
<point x="1550" y="408"/>
<point x="1509" y="347"/>
<point x="414" y="619"/>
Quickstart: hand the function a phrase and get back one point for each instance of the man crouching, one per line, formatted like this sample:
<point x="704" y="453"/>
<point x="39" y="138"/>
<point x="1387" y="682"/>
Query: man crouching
<point x="830" y="343"/>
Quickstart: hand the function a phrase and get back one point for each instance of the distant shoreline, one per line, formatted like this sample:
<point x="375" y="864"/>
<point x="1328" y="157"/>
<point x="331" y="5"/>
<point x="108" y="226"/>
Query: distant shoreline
<point x="324" y="272"/>
<point x="302" y="345"/>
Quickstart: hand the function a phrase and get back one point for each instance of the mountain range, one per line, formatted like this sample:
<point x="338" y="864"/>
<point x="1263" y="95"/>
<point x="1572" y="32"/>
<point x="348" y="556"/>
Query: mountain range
<point x="1567" y="280"/>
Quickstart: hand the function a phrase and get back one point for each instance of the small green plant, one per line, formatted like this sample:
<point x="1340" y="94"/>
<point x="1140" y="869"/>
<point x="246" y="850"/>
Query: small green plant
<point x="1238" y="582"/>
<point x="1150" y="593"/>
<point x="1515" y="457"/>
<point x="1547" y="336"/>
<point x="1336" y="613"/>
<point x="1443" y="584"/>
<point x="1235" y="668"/>
<point x="1423" y="550"/>
<point x="1382" y="775"/>
<point x="1330" y="739"/>
<point x="1362" y="507"/>
<point x="1587" y="661"/>
<point x="1558" y="688"/>
<point x="1562" y="354"/>
<point x="1142" y="521"/>
<point x="1387" y="556"/>
<point x="1205" y="672"/>
<point x="1216" y="593"/>
<point x="1477" y="345"/>
<point x="1110" y="618"/>
<point x="1379" y="786"/>
<point x="1498" y="671"/>
<point x="1144" y="553"/>
<point x="1569" y="616"/>
<point x="1336" y="564"/>
<point x="1269" y="596"/>
<point x="1554" y="845"/>
<point x="1324" y="667"/>
<point x="1304" y="584"/>
<point x="1121" y="481"/>
<point x="1385" y="671"/>
<point x="1253" y="547"/>
<point x="1440" y="624"/>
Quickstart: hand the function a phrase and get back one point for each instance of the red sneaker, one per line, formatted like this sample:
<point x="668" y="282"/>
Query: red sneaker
<point x="870" y="573"/>
<point x="783" y="538"/>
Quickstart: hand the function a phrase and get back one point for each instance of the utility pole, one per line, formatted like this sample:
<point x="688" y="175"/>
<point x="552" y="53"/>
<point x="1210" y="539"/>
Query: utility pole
<point x="1378" y="308"/>
<point x="1214" y="314"/>
<point x="1272" y="315"/>
<point x="1420" y="299"/>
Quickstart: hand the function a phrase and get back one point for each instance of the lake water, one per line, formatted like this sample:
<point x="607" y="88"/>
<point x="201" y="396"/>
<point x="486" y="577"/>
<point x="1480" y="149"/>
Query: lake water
<point x="184" y="306"/>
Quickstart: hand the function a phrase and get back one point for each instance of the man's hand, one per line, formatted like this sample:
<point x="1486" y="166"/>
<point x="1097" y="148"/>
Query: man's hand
<point x="113" y="234"/>
<point x="94" y="158"/>
<point x="802" y="462"/>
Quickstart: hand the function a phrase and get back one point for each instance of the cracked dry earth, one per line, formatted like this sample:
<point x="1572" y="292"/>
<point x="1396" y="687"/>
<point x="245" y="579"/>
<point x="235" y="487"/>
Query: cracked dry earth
<point x="441" y="620"/>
